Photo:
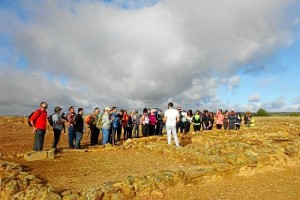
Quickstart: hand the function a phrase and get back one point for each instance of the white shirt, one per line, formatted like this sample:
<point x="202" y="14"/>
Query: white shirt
<point x="171" y="115"/>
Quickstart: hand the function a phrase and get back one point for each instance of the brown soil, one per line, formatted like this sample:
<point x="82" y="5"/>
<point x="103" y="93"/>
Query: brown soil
<point x="78" y="170"/>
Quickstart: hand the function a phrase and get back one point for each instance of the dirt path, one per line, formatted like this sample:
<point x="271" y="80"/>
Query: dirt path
<point x="275" y="184"/>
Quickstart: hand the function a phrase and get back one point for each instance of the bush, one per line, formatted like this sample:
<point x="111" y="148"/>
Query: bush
<point x="262" y="112"/>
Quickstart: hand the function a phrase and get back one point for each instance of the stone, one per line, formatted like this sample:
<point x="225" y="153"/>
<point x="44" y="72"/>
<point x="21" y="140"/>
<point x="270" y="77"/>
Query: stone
<point x="156" y="194"/>
<point x="71" y="197"/>
<point x="36" y="155"/>
<point x="129" y="180"/>
<point x="12" y="187"/>
<point x="127" y="192"/>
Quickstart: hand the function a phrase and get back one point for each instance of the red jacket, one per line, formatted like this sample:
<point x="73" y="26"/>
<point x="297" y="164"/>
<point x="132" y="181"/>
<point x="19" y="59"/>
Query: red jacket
<point x="40" y="119"/>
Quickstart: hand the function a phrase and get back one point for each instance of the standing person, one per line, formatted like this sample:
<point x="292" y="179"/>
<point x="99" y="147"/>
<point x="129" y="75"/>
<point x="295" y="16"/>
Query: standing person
<point x="124" y="124"/>
<point x="251" y="119"/>
<point x="197" y="121"/>
<point x="171" y="116"/>
<point x="106" y="123"/>
<point x="225" y="120"/>
<point x="246" y="119"/>
<point x="71" y="117"/>
<point x="114" y="125"/>
<point x="219" y="119"/>
<point x="160" y="122"/>
<point x="179" y="124"/>
<point x="232" y="119"/>
<point x="39" y="123"/>
<point x="189" y="120"/>
<point x="136" y="124"/>
<point x="152" y="122"/>
<point x="211" y="120"/>
<point x="58" y="123"/>
<point x="94" y="130"/>
<point x="129" y="126"/>
<point x="145" y="123"/>
<point x="78" y="127"/>
<point x="119" y="129"/>
<point x="205" y="120"/>
<point x="238" y="121"/>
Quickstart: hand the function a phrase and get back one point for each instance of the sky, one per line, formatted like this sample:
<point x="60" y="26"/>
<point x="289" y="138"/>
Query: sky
<point x="207" y="54"/>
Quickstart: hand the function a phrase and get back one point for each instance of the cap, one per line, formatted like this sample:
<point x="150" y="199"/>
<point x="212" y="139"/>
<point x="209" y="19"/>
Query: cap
<point x="57" y="108"/>
<point x="107" y="108"/>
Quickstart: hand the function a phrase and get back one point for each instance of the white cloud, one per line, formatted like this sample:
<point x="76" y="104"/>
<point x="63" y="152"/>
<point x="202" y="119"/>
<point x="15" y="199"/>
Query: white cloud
<point x="275" y="104"/>
<point x="139" y="57"/>
<point x="254" y="98"/>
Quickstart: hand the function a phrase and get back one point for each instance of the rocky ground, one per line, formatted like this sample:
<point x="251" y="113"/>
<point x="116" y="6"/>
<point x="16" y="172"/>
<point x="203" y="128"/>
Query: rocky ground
<point x="253" y="163"/>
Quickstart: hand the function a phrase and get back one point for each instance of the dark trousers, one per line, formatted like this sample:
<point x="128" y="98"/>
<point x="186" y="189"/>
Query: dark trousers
<point x="112" y="135"/>
<point x="56" y="138"/>
<point x="94" y="135"/>
<point x="72" y="136"/>
<point x="186" y="126"/>
<point x="145" y="130"/>
<point x="129" y="132"/>
<point x="125" y="132"/>
<point x="179" y="125"/>
<point x="159" y="128"/>
<point x="219" y="126"/>
<point x="119" y="132"/>
<point x="151" y="130"/>
<point x="197" y="127"/>
<point x="39" y="139"/>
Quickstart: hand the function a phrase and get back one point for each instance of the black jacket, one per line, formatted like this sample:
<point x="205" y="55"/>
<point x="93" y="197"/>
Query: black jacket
<point x="78" y="123"/>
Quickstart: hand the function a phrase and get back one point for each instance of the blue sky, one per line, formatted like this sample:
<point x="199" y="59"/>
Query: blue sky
<point x="136" y="54"/>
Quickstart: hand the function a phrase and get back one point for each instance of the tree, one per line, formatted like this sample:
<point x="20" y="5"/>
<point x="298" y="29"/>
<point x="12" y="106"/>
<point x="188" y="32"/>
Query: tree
<point x="262" y="112"/>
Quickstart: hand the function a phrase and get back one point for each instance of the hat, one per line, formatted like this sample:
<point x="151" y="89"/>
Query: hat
<point x="57" y="108"/>
<point x="107" y="108"/>
<point x="232" y="109"/>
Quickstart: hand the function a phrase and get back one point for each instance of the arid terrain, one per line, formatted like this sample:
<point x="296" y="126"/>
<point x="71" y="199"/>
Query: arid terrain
<point x="252" y="163"/>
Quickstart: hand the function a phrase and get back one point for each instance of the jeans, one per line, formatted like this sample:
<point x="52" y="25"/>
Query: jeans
<point x="39" y="138"/>
<point x="136" y="130"/>
<point x="172" y="129"/>
<point x="56" y="138"/>
<point x="78" y="139"/>
<point x="105" y="133"/>
<point x="72" y="136"/>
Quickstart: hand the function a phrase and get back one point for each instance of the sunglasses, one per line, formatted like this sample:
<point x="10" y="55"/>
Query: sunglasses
<point x="44" y="107"/>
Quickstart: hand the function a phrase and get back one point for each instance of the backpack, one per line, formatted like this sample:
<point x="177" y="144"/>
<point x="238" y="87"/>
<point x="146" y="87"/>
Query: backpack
<point x="28" y="120"/>
<point x="88" y="120"/>
<point x="50" y="120"/>
<point x="99" y="122"/>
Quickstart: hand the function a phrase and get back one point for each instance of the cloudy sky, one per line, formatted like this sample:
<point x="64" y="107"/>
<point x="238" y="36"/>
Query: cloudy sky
<point x="206" y="54"/>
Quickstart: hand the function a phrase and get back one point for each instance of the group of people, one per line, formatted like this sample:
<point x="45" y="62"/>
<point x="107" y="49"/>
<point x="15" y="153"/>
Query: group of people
<point x="112" y="123"/>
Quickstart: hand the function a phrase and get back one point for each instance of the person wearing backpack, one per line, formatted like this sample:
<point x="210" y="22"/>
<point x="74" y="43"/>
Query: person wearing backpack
<point x="58" y="123"/>
<point x="94" y="129"/>
<point x="39" y="123"/>
<point x="78" y="127"/>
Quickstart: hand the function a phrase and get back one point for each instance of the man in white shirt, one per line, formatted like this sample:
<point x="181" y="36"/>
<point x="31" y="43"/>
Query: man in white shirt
<point x="171" y="117"/>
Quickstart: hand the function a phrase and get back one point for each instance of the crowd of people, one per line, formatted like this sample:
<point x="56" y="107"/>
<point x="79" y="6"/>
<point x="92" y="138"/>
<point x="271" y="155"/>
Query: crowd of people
<point x="112" y="123"/>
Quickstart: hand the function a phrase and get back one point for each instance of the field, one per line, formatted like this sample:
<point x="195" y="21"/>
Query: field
<point x="252" y="163"/>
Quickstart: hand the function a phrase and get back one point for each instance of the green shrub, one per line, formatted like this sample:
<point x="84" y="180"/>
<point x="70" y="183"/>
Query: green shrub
<point x="262" y="112"/>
